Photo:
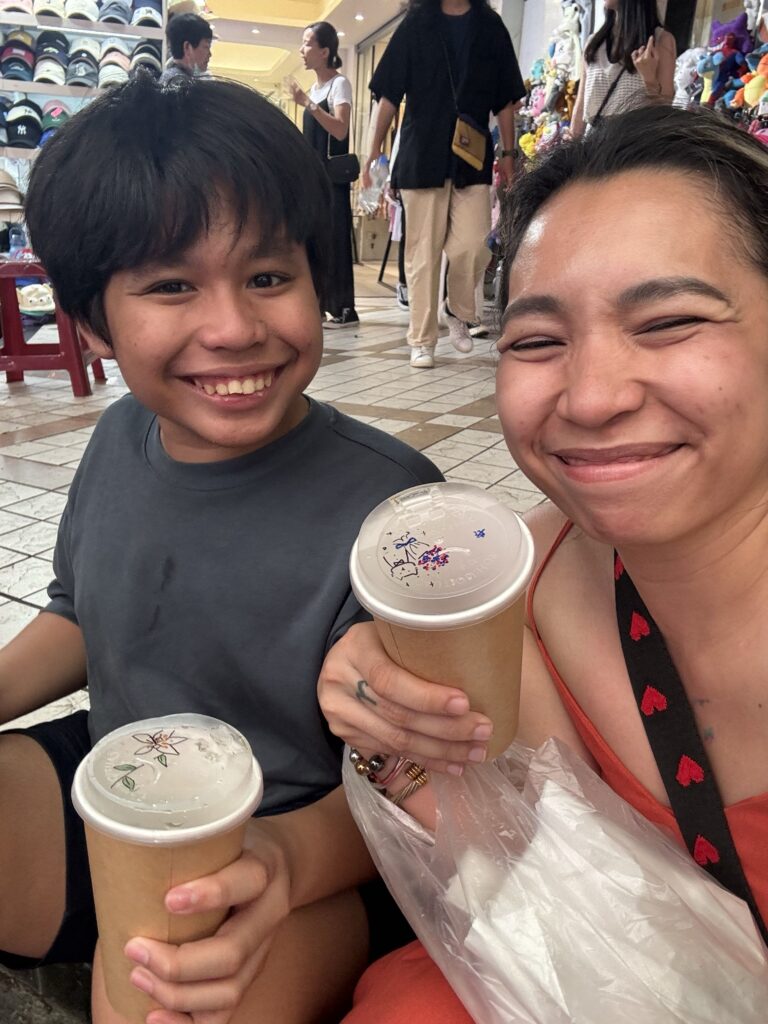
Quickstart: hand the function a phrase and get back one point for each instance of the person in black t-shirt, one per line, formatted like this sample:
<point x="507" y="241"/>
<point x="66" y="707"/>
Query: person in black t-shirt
<point x="447" y="58"/>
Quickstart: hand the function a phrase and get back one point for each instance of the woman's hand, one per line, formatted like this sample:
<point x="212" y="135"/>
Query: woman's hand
<point x="646" y="61"/>
<point x="374" y="704"/>
<point x="297" y="93"/>
<point x="204" y="981"/>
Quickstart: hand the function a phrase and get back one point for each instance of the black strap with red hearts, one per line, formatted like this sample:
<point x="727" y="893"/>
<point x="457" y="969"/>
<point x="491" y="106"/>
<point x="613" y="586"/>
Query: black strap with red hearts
<point x="671" y="729"/>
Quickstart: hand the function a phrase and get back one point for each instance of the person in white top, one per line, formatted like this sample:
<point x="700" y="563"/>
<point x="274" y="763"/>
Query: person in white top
<point x="628" y="62"/>
<point x="327" y="113"/>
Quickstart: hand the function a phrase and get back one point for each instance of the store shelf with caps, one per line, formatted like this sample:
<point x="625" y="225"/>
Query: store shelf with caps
<point x="14" y="153"/>
<point x="46" y="89"/>
<point x="57" y="63"/>
<point x="81" y="26"/>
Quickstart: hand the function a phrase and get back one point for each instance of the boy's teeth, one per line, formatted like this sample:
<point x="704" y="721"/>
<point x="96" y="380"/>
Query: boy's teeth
<point x="238" y="386"/>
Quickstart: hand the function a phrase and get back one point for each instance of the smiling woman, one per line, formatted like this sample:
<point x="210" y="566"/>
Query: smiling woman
<point x="633" y="389"/>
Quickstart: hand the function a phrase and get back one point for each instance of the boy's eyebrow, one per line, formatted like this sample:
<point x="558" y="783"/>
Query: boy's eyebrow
<point x="273" y="247"/>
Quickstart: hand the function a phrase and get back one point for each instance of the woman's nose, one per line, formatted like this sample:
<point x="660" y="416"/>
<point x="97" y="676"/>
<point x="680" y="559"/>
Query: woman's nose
<point x="601" y="383"/>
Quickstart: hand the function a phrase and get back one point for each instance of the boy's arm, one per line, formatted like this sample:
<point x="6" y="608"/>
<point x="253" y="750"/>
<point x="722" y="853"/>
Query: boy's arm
<point x="45" y="662"/>
<point x="289" y="860"/>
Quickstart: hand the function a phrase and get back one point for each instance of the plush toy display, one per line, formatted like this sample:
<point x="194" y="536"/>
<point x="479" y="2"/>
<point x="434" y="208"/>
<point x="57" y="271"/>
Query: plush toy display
<point x="552" y="83"/>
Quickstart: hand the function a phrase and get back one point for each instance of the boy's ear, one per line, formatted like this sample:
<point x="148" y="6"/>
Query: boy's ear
<point x="100" y="348"/>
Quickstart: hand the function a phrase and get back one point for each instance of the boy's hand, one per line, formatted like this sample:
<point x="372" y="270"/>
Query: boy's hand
<point x="374" y="704"/>
<point x="204" y="981"/>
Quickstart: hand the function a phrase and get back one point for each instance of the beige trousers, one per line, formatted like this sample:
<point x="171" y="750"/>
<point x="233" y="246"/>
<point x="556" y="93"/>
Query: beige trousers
<point x="456" y="222"/>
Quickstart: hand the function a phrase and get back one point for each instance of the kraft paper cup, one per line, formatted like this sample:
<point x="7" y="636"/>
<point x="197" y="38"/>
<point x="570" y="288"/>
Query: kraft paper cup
<point x="443" y="570"/>
<point x="164" y="801"/>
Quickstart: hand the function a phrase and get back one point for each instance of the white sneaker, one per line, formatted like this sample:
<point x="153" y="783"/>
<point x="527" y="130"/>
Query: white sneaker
<point x="402" y="296"/>
<point x="458" y="331"/>
<point x="478" y="330"/>
<point x="423" y="357"/>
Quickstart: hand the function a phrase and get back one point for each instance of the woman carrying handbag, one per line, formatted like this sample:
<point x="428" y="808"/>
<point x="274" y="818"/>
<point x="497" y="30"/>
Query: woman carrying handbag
<point x="327" y="111"/>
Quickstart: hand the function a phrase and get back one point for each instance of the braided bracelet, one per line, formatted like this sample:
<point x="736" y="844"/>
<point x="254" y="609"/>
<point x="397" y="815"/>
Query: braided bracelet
<point x="382" y="783"/>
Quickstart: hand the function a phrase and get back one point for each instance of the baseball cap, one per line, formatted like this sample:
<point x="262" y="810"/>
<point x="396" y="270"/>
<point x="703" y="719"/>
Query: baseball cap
<point x="112" y="74"/>
<point x="20" y="35"/>
<point x="116" y="10"/>
<point x="55" y="114"/>
<point x="53" y="7"/>
<point x="24" y="6"/>
<point x="147" y="12"/>
<point x="89" y="45"/>
<point x="10" y="193"/>
<point x="24" y="124"/>
<point x="117" y="59"/>
<point x="83" y="71"/>
<point x="18" y="51"/>
<point x="86" y="9"/>
<point x="147" y="60"/>
<point x="49" y="70"/>
<point x="53" y="46"/>
<point x="118" y="43"/>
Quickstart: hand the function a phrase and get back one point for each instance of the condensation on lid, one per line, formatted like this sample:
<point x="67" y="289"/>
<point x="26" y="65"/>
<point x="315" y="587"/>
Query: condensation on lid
<point x="171" y="773"/>
<point x="445" y="553"/>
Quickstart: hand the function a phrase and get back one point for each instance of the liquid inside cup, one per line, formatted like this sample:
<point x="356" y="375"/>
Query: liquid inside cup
<point x="167" y="774"/>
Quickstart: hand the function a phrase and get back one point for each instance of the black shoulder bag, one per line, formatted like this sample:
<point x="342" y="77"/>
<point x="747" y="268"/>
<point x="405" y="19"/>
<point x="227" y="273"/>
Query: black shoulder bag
<point x="343" y="168"/>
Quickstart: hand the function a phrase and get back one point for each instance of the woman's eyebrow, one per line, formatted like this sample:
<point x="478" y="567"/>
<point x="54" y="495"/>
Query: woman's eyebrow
<point x="668" y="287"/>
<point x="546" y="304"/>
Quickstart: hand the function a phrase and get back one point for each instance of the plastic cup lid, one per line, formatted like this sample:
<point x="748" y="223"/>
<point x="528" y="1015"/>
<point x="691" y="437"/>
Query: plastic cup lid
<point x="441" y="556"/>
<point x="168" y="780"/>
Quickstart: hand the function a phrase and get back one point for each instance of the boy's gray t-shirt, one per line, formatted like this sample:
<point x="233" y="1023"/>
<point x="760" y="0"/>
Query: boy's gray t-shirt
<point x="218" y="588"/>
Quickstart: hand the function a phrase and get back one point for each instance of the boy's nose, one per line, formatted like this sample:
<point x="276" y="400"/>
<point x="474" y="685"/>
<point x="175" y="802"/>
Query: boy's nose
<point x="233" y="323"/>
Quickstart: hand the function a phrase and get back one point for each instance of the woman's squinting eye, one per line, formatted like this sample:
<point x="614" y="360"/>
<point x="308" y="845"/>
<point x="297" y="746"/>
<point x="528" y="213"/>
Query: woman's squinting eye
<point x="670" y="323"/>
<point x="529" y="345"/>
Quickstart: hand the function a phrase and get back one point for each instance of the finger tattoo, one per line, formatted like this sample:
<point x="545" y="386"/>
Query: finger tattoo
<point x="361" y="695"/>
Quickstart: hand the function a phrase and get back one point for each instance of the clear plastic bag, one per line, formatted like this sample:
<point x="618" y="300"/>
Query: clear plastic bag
<point x="545" y="898"/>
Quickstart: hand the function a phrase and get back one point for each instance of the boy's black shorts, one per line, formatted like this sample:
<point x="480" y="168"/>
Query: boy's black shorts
<point x="67" y="741"/>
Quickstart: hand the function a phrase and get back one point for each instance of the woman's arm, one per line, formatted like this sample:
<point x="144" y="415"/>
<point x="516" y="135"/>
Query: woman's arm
<point x="577" y="120"/>
<point x="336" y="124"/>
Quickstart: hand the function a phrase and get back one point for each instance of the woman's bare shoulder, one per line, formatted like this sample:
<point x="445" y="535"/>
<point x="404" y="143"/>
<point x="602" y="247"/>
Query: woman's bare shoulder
<point x="545" y="523"/>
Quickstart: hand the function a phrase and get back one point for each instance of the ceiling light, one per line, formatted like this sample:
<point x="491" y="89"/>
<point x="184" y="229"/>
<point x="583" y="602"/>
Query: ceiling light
<point x="359" y="17"/>
<point x="341" y="33"/>
<point x="255" y="31"/>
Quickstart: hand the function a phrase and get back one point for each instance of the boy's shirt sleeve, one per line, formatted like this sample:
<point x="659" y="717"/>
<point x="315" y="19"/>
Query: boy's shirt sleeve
<point x="61" y="589"/>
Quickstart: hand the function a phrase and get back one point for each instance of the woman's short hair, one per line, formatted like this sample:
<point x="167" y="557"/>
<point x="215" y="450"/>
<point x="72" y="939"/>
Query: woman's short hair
<point x="327" y="37"/>
<point x="729" y="164"/>
<point x="140" y="174"/>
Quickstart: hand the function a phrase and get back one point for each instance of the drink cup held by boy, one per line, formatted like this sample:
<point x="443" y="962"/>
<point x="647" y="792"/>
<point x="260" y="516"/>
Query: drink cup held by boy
<point x="202" y="559"/>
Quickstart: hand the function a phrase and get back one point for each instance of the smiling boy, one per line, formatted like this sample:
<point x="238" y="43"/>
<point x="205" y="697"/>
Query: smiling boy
<point x="201" y="563"/>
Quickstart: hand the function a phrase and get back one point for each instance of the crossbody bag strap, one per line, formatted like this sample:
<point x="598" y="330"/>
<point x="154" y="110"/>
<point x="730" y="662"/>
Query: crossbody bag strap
<point x="670" y="726"/>
<point x="450" y="74"/>
<point x="607" y="97"/>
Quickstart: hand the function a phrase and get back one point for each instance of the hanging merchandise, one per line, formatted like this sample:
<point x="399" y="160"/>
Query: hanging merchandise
<point x="552" y="85"/>
<point x="731" y="74"/>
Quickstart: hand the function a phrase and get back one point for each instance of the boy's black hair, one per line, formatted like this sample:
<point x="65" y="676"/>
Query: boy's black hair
<point x="140" y="174"/>
<point x="186" y="28"/>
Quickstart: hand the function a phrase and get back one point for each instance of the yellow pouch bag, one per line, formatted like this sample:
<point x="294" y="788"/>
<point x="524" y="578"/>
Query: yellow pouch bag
<point x="469" y="143"/>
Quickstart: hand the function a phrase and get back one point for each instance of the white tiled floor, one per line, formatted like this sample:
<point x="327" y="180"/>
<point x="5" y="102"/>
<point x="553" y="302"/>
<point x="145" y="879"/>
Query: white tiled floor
<point x="448" y="413"/>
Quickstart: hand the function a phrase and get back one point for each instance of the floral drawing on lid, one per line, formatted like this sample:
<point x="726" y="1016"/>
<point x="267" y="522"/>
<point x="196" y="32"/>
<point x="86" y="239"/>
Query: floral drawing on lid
<point x="164" y="742"/>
